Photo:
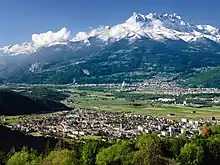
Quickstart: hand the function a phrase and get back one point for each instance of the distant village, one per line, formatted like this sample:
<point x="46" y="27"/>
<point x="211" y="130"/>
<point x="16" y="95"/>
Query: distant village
<point x="157" y="84"/>
<point x="79" y="123"/>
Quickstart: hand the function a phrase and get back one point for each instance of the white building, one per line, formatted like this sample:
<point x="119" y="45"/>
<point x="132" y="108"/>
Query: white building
<point x="183" y="131"/>
<point x="164" y="133"/>
<point x="184" y="120"/>
<point x="140" y="128"/>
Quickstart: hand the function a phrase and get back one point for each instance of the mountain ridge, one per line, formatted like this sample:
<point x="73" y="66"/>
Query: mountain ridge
<point x="154" y="26"/>
<point x="138" y="49"/>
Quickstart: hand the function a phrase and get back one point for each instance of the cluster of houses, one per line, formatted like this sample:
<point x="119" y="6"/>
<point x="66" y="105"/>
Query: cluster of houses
<point x="79" y="123"/>
<point x="164" y="86"/>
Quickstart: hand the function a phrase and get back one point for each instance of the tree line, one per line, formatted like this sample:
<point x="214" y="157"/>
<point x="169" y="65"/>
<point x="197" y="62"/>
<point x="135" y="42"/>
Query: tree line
<point x="147" y="149"/>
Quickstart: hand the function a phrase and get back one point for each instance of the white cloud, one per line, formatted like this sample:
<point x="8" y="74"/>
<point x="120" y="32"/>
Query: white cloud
<point x="81" y="36"/>
<point x="17" y="49"/>
<point x="101" y="32"/>
<point x="51" y="37"/>
<point x="21" y="48"/>
<point x="38" y="40"/>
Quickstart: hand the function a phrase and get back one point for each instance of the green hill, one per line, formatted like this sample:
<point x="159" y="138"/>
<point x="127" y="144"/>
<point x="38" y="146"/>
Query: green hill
<point x="208" y="77"/>
<point x="12" y="103"/>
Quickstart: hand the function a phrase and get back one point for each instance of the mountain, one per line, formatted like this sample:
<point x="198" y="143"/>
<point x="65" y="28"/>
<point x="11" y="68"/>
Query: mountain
<point x="12" y="103"/>
<point x="140" y="48"/>
<point x="153" y="26"/>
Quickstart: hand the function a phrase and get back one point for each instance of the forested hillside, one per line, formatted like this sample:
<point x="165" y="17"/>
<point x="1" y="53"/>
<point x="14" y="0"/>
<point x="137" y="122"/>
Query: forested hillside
<point x="12" y="103"/>
<point x="147" y="149"/>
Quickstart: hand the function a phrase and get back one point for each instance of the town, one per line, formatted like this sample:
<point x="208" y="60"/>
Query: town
<point x="121" y="111"/>
<point x="79" y="123"/>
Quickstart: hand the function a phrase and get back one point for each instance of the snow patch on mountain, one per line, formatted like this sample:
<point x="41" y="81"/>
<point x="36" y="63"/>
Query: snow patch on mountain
<point x="36" y="67"/>
<point x="85" y="71"/>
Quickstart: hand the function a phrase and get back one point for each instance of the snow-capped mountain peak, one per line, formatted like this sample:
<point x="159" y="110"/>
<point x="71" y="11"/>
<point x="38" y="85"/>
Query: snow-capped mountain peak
<point x="136" y="17"/>
<point x="153" y="26"/>
<point x="153" y="17"/>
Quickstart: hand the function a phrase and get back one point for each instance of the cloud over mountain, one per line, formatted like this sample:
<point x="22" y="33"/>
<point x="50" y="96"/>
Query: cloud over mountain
<point x="51" y="37"/>
<point x="38" y="40"/>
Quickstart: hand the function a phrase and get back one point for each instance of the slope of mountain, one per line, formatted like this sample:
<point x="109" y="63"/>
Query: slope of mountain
<point x="139" y="48"/>
<point x="41" y="143"/>
<point x="208" y="77"/>
<point x="12" y="103"/>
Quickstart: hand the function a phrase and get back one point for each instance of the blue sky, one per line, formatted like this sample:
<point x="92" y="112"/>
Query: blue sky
<point x="21" y="18"/>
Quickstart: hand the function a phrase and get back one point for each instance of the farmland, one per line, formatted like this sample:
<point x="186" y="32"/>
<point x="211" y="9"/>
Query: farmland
<point x="166" y="102"/>
<point x="107" y="100"/>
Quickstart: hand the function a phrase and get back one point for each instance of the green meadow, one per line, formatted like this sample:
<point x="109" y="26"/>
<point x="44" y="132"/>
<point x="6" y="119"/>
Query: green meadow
<point x="106" y="101"/>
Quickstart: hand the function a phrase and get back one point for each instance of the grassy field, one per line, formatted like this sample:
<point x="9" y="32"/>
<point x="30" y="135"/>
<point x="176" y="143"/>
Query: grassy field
<point x="107" y="102"/>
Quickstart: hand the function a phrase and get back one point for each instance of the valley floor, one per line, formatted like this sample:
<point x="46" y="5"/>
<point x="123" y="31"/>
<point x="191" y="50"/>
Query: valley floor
<point x="113" y="111"/>
<point x="107" y="101"/>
